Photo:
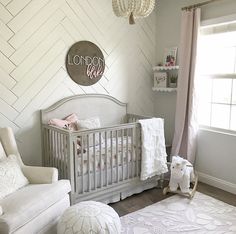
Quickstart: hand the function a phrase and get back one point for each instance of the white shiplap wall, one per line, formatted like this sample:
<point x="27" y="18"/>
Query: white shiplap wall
<point x="34" y="38"/>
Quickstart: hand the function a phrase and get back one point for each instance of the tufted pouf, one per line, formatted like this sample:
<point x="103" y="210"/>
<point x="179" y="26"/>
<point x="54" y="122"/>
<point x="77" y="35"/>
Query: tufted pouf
<point x="89" y="217"/>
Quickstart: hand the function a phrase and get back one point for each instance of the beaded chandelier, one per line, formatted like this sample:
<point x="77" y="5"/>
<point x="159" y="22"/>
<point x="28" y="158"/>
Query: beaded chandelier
<point x="133" y="8"/>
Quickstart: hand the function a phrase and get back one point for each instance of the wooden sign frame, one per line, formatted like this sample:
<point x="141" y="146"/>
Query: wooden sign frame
<point x="85" y="63"/>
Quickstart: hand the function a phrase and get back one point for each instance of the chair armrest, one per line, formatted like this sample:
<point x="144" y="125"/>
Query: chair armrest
<point x="1" y="211"/>
<point x="40" y="175"/>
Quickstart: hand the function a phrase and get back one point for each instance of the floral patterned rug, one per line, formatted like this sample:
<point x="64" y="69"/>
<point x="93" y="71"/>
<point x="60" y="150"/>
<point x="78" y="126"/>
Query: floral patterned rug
<point x="177" y="214"/>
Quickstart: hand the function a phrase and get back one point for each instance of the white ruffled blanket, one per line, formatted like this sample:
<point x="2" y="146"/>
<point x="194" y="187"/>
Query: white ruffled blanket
<point x="153" y="148"/>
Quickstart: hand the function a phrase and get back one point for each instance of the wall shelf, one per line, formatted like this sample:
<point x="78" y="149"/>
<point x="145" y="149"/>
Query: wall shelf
<point x="159" y="89"/>
<point x="165" y="68"/>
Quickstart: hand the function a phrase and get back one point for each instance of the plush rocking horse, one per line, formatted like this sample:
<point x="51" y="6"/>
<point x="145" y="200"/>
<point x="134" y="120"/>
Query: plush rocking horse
<point x="182" y="177"/>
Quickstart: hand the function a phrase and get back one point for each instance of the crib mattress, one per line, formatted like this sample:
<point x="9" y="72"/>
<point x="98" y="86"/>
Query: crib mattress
<point x="107" y="156"/>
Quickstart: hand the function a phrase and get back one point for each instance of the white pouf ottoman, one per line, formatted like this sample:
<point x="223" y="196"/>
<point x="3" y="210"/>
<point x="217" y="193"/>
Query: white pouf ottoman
<point x="89" y="217"/>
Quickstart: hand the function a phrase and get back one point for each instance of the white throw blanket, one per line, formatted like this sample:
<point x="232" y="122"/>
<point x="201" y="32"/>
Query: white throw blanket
<point x="153" y="148"/>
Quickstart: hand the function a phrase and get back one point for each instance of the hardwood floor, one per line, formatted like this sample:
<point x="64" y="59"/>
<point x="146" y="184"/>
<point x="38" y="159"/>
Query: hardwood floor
<point x="151" y="196"/>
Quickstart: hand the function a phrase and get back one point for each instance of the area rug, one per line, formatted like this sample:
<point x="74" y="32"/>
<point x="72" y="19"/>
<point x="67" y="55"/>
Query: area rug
<point x="177" y="214"/>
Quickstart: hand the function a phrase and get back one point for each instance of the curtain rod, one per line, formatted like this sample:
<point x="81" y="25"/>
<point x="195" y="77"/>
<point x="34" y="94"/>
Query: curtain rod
<point x="199" y="4"/>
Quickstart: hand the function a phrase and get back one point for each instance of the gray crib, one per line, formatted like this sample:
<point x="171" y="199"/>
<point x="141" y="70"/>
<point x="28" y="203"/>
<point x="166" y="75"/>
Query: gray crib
<point x="107" y="170"/>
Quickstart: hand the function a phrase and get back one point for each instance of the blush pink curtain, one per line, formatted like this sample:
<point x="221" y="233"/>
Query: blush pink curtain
<point x="185" y="135"/>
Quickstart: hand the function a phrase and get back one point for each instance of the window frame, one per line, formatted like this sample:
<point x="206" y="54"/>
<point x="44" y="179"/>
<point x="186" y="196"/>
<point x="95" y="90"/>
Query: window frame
<point x="211" y="23"/>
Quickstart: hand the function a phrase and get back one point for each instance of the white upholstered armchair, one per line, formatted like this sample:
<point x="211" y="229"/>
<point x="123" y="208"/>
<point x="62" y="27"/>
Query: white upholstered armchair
<point x="36" y="207"/>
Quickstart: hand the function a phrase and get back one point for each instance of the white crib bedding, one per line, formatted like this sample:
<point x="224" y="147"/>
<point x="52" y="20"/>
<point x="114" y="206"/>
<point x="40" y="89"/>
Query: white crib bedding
<point x="114" y="155"/>
<point x="113" y="175"/>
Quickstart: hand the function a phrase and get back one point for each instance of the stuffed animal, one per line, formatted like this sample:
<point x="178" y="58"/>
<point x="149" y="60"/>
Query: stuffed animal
<point x="182" y="174"/>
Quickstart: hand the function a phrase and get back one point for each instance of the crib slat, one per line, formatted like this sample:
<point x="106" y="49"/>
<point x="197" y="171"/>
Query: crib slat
<point x="137" y="152"/>
<point x="117" y="158"/>
<point x="75" y="159"/>
<point x="100" y="159"/>
<point x="60" y="157"/>
<point x="64" y="156"/>
<point x="51" y="149"/>
<point x="70" y="153"/>
<point x="88" y="163"/>
<point x="55" y="149"/>
<point x="127" y="152"/>
<point x="82" y="162"/>
<point x="95" y="163"/>
<point x="132" y="152"/>
<point x="58" y="154"/>
<point x="111" y="163"/>
<point x="46" y="147"/>
<point x="122" y="153"/>
<point x="58" y="150"/>
<point x="106" y="168"/>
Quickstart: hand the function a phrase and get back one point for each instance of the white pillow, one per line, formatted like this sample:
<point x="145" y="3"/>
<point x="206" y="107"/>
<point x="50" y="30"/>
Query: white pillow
<point x="90" y="123"/>
<point x="11" y="176"/>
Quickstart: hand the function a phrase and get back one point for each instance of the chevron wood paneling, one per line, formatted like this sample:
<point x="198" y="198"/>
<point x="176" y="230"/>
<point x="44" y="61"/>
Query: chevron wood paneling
<point x="34" y="38"/>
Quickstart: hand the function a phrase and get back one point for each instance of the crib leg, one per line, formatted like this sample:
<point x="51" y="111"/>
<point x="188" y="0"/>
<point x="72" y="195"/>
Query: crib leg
<point x="161" y="181"/>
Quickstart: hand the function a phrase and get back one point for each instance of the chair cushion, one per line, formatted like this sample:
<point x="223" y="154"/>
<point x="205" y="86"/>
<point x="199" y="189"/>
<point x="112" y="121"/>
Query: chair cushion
<point x="11" y="176"/>
<point x="24" y="205"/>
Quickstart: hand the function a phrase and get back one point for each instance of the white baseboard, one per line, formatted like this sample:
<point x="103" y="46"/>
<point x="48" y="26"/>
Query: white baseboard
<point x="213" y="181"/>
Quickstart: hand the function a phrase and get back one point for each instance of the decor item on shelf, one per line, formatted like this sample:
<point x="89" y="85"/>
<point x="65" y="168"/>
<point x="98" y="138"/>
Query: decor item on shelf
<point x="85" y="63"/>
<point x="133" y="9"/>
<point x="170" y="56"/>
<point x="89" y="217"/>
<point x="173" y="81"/>
<point x="170" y="73"/>
<point x="160" y="79"/>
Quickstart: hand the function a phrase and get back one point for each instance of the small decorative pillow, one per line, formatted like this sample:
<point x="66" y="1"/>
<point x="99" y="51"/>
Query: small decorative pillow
<point x="11" y="176"/>
<point x="60" y="123"/>
<point x="70" y="122"/>
<point x="90" y="123"/>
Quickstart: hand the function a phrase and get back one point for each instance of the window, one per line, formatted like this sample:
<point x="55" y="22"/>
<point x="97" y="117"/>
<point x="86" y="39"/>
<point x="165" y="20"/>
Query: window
<point x="217" y="72"/>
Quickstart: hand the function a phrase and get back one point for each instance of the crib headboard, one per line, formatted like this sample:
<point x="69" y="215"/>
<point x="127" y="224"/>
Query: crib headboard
<point x="110" y="110"/>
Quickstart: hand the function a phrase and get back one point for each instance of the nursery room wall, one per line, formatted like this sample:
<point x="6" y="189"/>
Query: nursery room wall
<point x="35" y="36"/>
<point x="216" y="151"/>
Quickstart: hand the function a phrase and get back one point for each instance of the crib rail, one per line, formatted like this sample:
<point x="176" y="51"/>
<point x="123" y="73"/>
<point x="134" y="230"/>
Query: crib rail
<point x="132" y="118"/>
<point x="94" y="159"/>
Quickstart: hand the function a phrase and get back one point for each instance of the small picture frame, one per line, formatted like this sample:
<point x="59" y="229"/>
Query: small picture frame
<point x="170" y="56"/>
<point x="160" y="79"/>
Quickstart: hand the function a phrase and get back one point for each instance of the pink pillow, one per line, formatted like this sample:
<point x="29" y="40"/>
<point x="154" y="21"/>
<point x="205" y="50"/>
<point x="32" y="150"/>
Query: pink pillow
<point x="70" y="122"/>
<point x="59" y="123"/>
<point x="72" y="118"/>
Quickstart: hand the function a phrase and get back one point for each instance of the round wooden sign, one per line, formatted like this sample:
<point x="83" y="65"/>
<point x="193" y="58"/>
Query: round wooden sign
<point x="85" y="63"/>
